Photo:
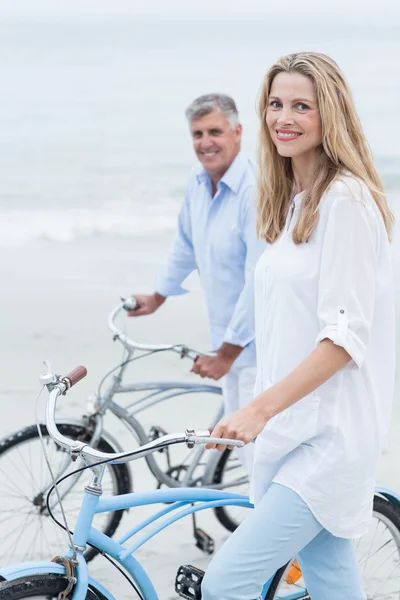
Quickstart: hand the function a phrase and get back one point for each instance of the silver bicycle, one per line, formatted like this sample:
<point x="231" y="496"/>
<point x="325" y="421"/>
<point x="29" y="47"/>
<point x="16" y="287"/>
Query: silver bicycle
<point x="27" y="530"/>
<point x="66" y="576"/>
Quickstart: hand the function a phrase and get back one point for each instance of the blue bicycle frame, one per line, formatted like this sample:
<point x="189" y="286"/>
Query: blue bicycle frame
<point x="180" y="504"/>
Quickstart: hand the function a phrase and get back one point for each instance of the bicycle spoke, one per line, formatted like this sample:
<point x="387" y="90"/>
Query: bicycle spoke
<point x="23" y="530"/>
<point x="44" y="535"/>
<point x="28" y="532"/>
<point x="7" y="519"/>
<point x="13" y="484"/>
<point x="30" y="466"/>
<point x="382" y="583"/>
<point x="372" y="543"/>
<point x="28" y="470"/>
<point x="33" y="545"/>
<point x="376" y="552"/>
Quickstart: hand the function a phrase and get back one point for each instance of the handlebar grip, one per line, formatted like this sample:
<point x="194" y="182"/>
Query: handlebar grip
<point x="74" y="376"/>
<point x="224" y="441"/>
<point x="130" y="304"/>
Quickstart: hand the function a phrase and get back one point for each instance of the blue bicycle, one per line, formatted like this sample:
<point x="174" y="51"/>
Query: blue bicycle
<point x="67" y="577"/>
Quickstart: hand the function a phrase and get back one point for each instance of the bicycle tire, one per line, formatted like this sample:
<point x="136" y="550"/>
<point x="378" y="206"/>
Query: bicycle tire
<point x="119" y="472"/>
<point x="41" y="586"/>
<point x="387" y="509"/>
<point x="381" y="507"/>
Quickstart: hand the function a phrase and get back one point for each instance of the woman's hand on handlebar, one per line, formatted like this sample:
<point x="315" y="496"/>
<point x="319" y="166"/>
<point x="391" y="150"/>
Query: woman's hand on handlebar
<point x="245" y="425"/>
<point x="146" y="305"/>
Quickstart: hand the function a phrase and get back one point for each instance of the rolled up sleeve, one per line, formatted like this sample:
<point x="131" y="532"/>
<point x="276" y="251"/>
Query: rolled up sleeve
<point x="348" y="275"/>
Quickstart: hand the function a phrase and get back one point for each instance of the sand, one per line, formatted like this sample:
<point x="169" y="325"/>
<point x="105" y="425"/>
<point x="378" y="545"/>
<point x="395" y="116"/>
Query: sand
<point x="55" y="302"/>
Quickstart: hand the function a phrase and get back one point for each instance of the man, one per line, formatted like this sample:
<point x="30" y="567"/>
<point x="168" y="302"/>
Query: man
<point x="216" y="235"/>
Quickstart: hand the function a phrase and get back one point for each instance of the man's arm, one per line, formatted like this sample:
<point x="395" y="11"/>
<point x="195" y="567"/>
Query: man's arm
<point x="181" y="262"/>
<point x="240" y="331"/>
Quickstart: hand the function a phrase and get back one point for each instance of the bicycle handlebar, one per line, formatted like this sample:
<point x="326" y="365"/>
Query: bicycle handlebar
<point x="57" y="386"/>
<point x="75" y="375"/>
<point x="182" y="349"/>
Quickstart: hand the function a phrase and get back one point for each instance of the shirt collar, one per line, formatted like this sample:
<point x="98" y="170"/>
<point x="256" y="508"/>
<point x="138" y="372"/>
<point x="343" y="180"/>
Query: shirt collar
<point x="297" y="200"/>
<point x="233" y="177"/>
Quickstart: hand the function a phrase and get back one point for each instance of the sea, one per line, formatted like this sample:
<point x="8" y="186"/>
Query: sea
<point x="93" y="137"/>
<point x="94" y="156"/>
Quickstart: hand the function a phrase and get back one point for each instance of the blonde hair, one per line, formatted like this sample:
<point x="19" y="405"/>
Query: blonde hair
<point x="343" y="148"/>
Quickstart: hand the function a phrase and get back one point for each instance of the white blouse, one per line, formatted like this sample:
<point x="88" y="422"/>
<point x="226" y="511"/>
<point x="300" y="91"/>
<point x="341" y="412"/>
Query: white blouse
<point x="338" y="285"/>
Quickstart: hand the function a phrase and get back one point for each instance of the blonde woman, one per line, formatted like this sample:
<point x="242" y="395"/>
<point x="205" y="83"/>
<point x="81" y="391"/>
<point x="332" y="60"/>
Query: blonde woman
<point x="325" y="341"/>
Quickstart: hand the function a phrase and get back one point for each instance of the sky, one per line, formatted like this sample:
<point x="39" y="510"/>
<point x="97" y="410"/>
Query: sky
<point x="207" y="9"/>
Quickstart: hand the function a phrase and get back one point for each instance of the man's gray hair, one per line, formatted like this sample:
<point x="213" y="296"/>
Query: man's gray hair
<point x="204" y="105"/>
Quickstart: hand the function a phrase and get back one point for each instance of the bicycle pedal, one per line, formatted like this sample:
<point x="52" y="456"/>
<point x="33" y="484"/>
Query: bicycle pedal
<point x="188" y="582"/>
<point x="204" y="541"/>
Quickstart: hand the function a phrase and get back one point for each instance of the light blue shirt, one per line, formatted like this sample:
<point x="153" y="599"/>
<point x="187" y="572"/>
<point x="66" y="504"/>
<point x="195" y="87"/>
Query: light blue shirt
<point x="217" y="236"/>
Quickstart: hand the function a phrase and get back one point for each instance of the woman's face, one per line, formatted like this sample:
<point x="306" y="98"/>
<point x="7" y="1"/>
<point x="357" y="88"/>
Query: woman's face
<point x="293" y="118"/>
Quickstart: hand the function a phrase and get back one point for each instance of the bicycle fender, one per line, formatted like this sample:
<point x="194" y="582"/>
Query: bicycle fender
<point x="29" y="569"/>
<point x="390" y="495"/>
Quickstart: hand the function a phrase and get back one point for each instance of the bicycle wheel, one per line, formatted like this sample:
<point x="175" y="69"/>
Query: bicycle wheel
<point x="378" y="554"/>
<point x="41" y="587"/>
<point x="231" y="475"/>
<point x="27" y="531"/>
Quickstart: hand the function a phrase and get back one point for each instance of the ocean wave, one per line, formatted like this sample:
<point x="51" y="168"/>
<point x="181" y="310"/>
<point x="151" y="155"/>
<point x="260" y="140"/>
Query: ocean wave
<point x="19" y="227"/>
<point x="127" y="218"/>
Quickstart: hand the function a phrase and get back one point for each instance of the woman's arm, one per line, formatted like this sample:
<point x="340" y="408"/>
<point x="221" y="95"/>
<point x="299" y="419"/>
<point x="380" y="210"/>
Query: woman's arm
<point x="323" y="362"/>
<point x="246" y="424"/>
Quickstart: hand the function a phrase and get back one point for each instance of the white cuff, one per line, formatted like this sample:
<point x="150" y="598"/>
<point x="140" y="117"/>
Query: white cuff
<point x="350" y="342"/>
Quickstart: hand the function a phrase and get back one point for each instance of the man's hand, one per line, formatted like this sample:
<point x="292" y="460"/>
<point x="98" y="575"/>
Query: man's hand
<point x="245" y="424"/>
<point x="146" y="305"/>
<point x="218" y="366"/>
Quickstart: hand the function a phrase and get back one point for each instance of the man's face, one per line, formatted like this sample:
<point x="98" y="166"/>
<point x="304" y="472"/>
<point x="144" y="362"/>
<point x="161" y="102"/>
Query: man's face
<point x="216" y="144"/>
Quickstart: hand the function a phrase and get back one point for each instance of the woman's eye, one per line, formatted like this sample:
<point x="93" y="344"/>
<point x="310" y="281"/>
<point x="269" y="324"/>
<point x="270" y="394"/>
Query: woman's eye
<point x="275" y="104"/>
<point x="301" y="106"/>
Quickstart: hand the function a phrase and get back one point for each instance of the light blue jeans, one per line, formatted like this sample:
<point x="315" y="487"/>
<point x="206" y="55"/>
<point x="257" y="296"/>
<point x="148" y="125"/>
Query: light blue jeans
<point x="279" y="528"/>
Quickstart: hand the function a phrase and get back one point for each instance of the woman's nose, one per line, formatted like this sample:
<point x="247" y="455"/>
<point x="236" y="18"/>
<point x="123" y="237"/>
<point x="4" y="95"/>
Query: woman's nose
<point x="285" y="116"/>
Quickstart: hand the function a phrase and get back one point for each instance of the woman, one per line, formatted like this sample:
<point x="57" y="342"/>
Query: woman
<point x="325" y="341"/>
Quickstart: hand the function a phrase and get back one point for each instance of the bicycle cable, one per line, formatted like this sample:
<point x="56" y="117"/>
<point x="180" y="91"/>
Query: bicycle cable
<point x="51" y="473"/>
<point x="56" y="483"/>
<point x="129" y="360"/>
<point x="102" y="462"/>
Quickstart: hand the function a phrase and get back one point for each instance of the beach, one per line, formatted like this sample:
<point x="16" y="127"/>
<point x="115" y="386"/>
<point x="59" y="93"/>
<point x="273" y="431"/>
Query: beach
<point x="55" y="307"/>
<point x="95" y="154"/>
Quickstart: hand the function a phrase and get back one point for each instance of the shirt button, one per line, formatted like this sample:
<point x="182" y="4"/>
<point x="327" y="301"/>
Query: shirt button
<point x="341" y="311"/>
